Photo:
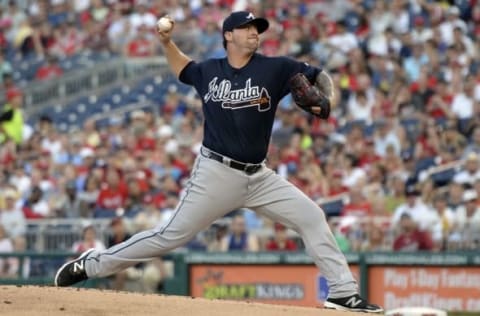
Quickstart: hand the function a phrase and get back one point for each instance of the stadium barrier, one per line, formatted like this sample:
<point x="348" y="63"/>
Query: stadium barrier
<point x="447" y="281"/>
<point x="97" y="76"/>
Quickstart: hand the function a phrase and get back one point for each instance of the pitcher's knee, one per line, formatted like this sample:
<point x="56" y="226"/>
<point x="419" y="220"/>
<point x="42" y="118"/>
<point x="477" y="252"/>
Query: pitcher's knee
<point x="314" y="219"/>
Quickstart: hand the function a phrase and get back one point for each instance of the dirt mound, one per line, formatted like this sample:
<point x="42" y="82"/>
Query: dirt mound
<point x="39" y="301"/>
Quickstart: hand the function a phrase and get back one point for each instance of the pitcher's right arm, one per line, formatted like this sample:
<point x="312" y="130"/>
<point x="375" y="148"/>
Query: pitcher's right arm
<point x="176" y="59"/>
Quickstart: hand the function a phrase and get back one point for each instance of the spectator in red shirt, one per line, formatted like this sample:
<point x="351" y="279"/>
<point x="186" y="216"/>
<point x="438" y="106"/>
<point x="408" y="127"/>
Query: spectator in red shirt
<point x="49" y="70"/>
<point x="410" y="237"/>
<point x="358" y="206"/>
<point x="280" y="240"/>
<point x="141" y="45"/>
<point x="335" y="182"/>
<point x="112" y="196"/>
<point x="368" y="155"/>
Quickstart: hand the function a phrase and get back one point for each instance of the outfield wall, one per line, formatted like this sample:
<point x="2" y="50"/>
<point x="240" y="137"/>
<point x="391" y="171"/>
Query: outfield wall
<point x="449" y="281"/>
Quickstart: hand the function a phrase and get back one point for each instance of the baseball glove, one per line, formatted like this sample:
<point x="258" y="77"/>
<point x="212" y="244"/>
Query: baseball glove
<point x="307" y="96"/>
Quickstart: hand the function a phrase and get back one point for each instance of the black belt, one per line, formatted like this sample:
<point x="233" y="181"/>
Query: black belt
<point x="245" y="167"/>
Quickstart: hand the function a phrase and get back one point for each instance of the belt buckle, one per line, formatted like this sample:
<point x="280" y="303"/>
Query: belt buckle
<point x="251" y="169"/>
<point x="226" y="161"/>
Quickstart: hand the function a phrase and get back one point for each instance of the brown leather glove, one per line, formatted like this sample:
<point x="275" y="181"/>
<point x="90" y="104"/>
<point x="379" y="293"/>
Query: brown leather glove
<point x="307" y="95"/>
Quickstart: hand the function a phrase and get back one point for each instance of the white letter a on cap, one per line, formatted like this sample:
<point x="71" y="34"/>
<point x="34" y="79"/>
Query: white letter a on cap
<point x="250" y="16"/>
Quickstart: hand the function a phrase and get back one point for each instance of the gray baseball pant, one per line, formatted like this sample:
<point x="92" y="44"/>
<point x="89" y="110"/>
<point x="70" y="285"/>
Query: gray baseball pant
<point x="214" y="190"/>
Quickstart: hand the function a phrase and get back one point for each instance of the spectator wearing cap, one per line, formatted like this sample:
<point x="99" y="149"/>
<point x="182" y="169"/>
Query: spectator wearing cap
<point x="410" y="237"/>
<point x="415" y="207"/>
<point x="421" y="32"/>
<point x="11" y="117"/>
<point x="470" y="171"/>
<point x="280" y="240"/>
<point x="469" y="216"/>
<point x="452" y="20"/>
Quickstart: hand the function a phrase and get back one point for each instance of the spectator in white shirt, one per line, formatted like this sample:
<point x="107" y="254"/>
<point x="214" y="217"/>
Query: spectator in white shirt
<point x="420" y="32"/>
<point x="384" y="137"/>
<point x="452" y="20"/>
<point x="463" y="101"/>
<point x="416" y="208"/>
<point x="9" y="265"/>
<point x="342" y="43"/>
<point x="142" y="16"/>
<point x="468" y="215"/>
<point x="11" y="216"/>
<point x="360" y="107"/>
<point x="470" y="171"/>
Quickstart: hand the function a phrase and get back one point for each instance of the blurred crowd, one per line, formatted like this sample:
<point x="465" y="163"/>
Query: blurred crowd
<point x="400" y="152"/>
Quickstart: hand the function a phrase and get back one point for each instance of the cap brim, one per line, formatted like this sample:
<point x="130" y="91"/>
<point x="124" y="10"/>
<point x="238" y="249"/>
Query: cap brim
<point x="261" y="24"/>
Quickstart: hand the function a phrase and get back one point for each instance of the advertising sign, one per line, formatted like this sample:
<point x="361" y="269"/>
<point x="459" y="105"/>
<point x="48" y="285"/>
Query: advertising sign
<point x="277" y="284"/>
<point x="446" y="288"/>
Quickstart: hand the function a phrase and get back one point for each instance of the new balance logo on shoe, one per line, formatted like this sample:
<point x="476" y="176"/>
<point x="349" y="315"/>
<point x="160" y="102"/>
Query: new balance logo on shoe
<point x="353" y="301"/>
<point x="73" y="271"/>
<point x="78" y="266"/>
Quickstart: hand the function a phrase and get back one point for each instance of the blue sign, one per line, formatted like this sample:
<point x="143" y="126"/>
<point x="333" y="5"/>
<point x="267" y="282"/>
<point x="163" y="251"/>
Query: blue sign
<point x="322" y="288"/>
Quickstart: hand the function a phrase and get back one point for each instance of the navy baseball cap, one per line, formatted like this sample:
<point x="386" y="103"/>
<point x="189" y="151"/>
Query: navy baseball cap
<point x="240" y="18"/>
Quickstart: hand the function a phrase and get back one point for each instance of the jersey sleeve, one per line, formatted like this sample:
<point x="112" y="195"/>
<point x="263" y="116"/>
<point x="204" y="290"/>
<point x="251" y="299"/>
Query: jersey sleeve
<point x="190" y="74"/>
<point x="290" y="67"/>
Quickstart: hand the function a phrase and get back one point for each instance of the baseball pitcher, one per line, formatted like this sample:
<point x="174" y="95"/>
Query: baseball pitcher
<point x="240" y="94"/>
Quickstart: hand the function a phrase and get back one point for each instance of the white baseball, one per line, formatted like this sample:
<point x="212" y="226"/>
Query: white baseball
<point x="164" y="24"/>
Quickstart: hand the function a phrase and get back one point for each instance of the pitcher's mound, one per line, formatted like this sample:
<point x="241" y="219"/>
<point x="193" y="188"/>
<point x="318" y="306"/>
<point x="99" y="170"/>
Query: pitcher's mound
<point x="39" y="301"/>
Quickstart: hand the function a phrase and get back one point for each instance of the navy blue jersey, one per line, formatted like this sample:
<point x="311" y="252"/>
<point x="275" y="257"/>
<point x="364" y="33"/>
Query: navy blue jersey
<point x="239" y="104"/>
